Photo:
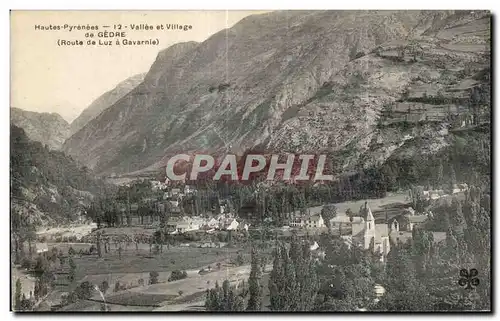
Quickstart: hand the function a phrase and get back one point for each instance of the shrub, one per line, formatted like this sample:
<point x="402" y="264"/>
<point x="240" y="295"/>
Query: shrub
<point x="177" y="275"/>
<point x="71" y="251"/>
<point x="27" y="263"/>
<point x="140" y="282"/>
<point x="84" y="290"/>
<point x="153" y="277"/>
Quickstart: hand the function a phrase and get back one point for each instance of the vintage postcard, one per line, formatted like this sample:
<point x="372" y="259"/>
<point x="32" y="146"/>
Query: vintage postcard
<point x="256" y="161"/>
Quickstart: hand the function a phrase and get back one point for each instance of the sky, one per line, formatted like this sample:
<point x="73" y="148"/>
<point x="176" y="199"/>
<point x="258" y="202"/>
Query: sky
<point x="46" y="77"/>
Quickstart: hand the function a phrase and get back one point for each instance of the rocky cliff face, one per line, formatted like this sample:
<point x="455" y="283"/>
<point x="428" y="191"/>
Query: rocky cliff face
<point x="350" y="83"/>
<point x="47" y="128"/>
<point x="104" y="101"/>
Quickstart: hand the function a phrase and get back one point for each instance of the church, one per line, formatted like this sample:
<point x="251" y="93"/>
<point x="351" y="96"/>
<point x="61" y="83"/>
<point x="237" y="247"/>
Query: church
<point x="365" y="231"/>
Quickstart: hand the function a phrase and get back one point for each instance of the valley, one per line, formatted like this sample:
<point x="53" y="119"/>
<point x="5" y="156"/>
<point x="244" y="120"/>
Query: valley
<point x="395" y="104"/>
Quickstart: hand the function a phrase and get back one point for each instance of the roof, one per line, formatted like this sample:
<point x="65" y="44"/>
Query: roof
<point x="417" y="218"/>
<point x="229" y="221"/>
<point x="346" y="219"/>
<point x="314" y="217"/>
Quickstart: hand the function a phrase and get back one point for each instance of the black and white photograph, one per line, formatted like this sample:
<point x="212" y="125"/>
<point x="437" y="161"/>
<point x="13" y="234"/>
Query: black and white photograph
<point x="251" y="161"/>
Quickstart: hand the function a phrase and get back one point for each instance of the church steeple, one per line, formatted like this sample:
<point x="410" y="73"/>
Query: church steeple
<point x="369" y="232"/>
<point x="369" y="215"/>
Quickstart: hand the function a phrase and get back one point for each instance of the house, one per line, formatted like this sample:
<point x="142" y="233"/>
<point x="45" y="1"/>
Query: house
<point x="368" y="234"/>
<point x="296" y="222"/>
<point x="212" y="223"/>
<point x="41" y="248"/>
<point x="157" y="185"/>
<point x="188" y="190"/>
<point x="175" y="192"/>
<point x="229" y="224"/>
<point x="315" y="246"/>
<point x="184" y="224"/>
<point x="345" y="220"/>
<point x="174" y="203"/>
<point x="405" y="222"/>
<point x="314" y="221"/>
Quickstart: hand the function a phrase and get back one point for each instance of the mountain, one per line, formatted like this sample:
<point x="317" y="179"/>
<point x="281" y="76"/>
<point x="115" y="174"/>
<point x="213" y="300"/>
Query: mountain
<point x="104" y="101"/>
<point x="46" y="128"/>
<point x="47" y="186"/>
<point x="362" y="86"/>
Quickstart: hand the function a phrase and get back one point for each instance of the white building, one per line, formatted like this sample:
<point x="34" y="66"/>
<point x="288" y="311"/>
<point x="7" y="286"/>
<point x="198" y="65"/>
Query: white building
<point x="296" y="222"/>
<point x="212" y="222"/>
<point x="367" y="232"/>
<point x="314" y="221"/>
<point x="345" y="220"/>
<point x="188" y="189"/>
<point x="229" y="224"/>
<point x="185" y="224"/>
<point x="41" y="248"/>
<point x="157" y="185"/>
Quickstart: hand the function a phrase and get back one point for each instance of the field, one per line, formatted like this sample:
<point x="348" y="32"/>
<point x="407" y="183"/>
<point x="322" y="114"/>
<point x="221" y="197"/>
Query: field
<point x="376" y="205"/>
<point x="187" y="294"/>
<point x="134" y="265"/>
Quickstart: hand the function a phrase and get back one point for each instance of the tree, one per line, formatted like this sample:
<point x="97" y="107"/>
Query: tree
<point x="255" y="290"/>
<point x="240" y="260"/>
<point x="41" y="265"/>
<point x="457" y="218"/>
<point x="17" y="297"/>
<point x="439" y="175"/>
<point x="403" y="291"/>
<point x="72" y="269"/>
<point x="71" y="251"/>
<point x="328" y="212"/>
<point x="453" y="178"/>
<point x="104" y="286"/>
<point x="98" y="244"/>
<point x="224" y="299"/>
<point x="177" y="275"/>
<point x="293" y="283"/>
<point x="84" y="290"/>
<point x="153" y="277"/>
<point x="414" y="49"/>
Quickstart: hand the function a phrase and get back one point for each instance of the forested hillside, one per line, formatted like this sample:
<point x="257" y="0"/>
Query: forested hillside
<point x="46" y="186"/>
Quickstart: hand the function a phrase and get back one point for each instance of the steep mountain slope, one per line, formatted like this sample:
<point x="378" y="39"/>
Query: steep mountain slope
<point x="46" y="128"/>
<point x="342" y="82"/>
<point x="47" y="187"/>
<point x="104" y="101"/>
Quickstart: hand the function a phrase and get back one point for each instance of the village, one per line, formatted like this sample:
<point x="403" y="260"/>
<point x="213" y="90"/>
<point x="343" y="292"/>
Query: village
<point x="210" y="247"/>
